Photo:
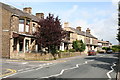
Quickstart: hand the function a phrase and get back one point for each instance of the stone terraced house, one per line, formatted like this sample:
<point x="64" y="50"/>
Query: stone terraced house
<point x="77" y="34"/>
<point x="17" y="29"/>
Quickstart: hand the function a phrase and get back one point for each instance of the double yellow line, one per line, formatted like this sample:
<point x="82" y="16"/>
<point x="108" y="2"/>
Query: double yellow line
<point x="11" y="72"/>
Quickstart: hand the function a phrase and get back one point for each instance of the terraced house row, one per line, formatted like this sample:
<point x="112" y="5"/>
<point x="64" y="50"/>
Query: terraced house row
<point x="77" y="34"/>
<point x="18" y="26"/>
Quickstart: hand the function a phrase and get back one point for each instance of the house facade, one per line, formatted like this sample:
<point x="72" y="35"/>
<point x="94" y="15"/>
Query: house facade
<point x="17" y="30"/>
<point x="78" y="34"/>
<point x="104" y="44"/>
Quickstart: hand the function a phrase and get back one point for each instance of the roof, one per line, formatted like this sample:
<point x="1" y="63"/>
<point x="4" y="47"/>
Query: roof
<point x="82" y="33"/>
<point x="99" y="41"/>
<point x="19" y="12"/>
<point x="20" y="34"/>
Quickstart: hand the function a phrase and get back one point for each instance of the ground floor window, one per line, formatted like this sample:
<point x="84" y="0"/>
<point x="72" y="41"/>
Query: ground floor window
<point x="27" y="45"/>
<point x="21" y="44"/>
<point x="15" y="44"/>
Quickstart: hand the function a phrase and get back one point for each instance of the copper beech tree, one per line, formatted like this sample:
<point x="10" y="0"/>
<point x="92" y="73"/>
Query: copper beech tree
<point x="50" y="33"/>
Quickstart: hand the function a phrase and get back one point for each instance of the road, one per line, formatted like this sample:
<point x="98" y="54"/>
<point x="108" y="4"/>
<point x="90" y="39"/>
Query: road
<point x="101" y="66"/>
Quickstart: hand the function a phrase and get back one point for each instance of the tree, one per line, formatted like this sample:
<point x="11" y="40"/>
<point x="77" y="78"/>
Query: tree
<point x="50" y="33"/>
<point x="78" y="45"/>
<point x="118" y="35"/>
<point x="116" y="48"/>
<point x="106" y="48"/>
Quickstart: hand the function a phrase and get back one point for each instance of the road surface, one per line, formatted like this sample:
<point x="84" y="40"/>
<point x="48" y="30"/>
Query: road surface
<point x="101" y="66"/>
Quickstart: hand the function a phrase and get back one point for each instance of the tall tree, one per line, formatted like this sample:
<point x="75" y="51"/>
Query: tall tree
<point x="118" y="35"/>
<point x="78" y="45"/>
<point x="50" y="33"/>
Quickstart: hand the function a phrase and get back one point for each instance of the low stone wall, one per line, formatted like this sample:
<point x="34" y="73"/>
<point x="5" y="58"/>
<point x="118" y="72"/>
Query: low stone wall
<point x="39" y="56"/>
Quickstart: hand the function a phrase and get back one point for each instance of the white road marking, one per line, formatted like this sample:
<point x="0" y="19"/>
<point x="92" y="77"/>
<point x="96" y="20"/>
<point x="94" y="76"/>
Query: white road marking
<point x="40" y="67"/>
<point x="101" y="56"/>
<point x="24" y="63"/>
<point x="24" y="70"/>
<point x="62" y="71"/>
<point x="108" y="73"/>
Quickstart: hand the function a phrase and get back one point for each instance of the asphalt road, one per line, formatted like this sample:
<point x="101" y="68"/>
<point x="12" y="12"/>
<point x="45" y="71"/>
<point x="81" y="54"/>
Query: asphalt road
<point x="101" y="66"/>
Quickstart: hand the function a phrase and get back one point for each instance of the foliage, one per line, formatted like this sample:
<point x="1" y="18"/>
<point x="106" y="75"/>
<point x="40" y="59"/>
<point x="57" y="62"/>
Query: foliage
<point x="72" y="50"/>
<point x="105" y="48"/>
<point x="78" y="45"/>
<point x="50" y="33"/>
<point x="116" y="48"/>
<point x="118" y="35"/>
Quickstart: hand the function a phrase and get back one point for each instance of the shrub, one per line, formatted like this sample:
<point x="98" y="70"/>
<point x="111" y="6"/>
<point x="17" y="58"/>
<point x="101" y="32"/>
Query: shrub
<point x="72" y="50"/>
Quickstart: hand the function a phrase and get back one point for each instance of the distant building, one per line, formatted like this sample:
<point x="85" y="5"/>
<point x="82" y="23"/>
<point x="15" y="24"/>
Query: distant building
<point x="78" y="34"/>
<point x="104" y="44"/>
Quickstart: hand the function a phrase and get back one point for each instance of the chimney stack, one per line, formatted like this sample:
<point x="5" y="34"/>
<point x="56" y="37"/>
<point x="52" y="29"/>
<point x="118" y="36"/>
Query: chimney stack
<point x="66" y="24"/>
<point x="78" y="28"/>
<point x="27" y="10"/>
<point x="88" y="30"/>
<point x="40" y="15"/>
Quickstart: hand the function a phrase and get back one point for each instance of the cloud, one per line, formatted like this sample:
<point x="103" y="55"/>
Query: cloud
<point x="106" y="28"/>
<point x="103" y="23"/>
<point x="66" y="15"/>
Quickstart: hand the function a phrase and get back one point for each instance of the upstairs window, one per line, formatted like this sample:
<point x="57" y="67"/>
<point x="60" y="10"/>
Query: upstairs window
<point x="21" y="25"/>
<point x="27" y="25"/>
<point x="21" y="21"/>
<point x="33" y="28"/>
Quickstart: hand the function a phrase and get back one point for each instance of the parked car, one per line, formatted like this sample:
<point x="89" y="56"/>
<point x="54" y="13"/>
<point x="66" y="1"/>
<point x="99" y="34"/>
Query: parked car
<point x="91" y="52"/>
<point x="109" y="51"/>
<point x="102" y="51"/>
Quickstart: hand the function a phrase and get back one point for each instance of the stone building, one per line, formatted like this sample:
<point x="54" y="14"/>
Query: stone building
<point x="78" y="34"/>
<point x="104" y="44"/>
<point x="17" y="30"/>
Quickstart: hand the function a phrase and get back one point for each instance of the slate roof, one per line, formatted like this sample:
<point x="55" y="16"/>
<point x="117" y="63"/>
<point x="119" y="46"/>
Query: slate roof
<point x="82" y="33"/>
<point x="19" y="12"/>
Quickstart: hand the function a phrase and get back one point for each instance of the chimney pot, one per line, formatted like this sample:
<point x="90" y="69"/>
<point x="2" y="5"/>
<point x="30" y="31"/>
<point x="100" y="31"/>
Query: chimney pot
<point x="27" y="10"/>
<point x="66" y="24"/>
<point x="78" y="28"/>
<point x="88" y="30"/>
<point x="40" y="15"/>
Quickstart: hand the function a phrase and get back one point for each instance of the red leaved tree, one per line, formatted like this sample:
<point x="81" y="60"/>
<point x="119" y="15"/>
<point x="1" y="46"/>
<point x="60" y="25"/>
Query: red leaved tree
<point x="50" y="33"/>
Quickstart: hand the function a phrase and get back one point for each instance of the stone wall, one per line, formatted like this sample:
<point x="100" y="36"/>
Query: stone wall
<point x="6" y="15"/>
<point x="39" y="56"/>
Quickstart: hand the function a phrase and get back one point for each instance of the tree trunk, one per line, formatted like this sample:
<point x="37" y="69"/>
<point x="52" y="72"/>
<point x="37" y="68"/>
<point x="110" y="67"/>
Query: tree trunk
<point x="54" y="56"/>
<point x="59" y="54"/>
<point x="80" y="53"/>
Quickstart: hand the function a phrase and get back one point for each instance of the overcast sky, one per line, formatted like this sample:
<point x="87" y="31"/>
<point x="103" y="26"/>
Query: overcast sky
<point x="100" y="17"/>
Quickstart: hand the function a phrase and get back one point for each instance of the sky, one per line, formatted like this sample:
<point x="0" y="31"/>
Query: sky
<point x="100" y="17"/>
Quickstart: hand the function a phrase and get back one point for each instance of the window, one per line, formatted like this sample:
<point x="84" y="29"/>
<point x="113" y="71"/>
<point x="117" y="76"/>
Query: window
<point x="21" y="25"/>
<point x="15" y="44"/>
<point x="26" y="45"/>
<point x="33" y="28"/>
<point x="21" y="21"/>
<point x="28" y="22"/>
<point x="27" y="25"/>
